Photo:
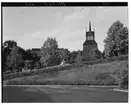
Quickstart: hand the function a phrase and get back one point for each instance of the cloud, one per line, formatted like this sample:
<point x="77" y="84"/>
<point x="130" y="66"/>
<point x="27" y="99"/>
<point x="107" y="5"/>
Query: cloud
<point x="36" y="35"/>
<point x="73" y="17"/>
<point x="76" y="15"/>
<point x="43" y="33"/>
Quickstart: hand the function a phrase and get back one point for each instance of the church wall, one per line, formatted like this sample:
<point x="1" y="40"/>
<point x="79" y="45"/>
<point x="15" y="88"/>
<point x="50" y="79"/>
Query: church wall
<point x="88" y="49"/>
<point x="90" y="43"/>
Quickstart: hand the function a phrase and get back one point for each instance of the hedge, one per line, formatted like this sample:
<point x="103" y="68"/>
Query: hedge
<point x="31" y="73"/>
<point x="122" y="57"/>
<point x="59" y="82"/>
<point x="123" y="78"/>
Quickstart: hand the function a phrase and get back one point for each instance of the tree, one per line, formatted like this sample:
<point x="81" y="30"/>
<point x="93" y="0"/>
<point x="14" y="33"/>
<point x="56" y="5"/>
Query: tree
<point x="95" y="54"/>
<point x="22" y="52"/>
<point x="3" y="59"/>
<point x="50" y="43"/>
<point x="8" y="45"/>
<point x="49" y="53"/>
<point x="6" y="50"/>
<point x="8" y="65"/>
<point x="72" y="56"/>
<point x="64" y="54"/>
<point x="117" y="40"/>
<point x="16" y="59"/>
<point x="78" y="61"/>
<point x="122" y="41"/>
<point x="123" y="77"/>
<point x="28" y="55"/>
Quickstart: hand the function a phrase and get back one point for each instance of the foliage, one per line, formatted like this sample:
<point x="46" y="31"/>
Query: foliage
<point x="9" y="44"/>
<point x="28" y="55"/>
<point x="102" y="78"/>
<point x="15" y="60"/>
<point x="116" y="42"/>
<point x="6" y="50"/>
<point x="14" y="56"/>
<point x="58" y="82"/>
<point x="40" y="71"/>
<point x="123" y="78"/>
<point x="64" y="54"/>
<point x="95" y="54"/>
<point x="122" y="41"/>
<point x="35" y="57"/>
<point x="50" y="53"/>
<point x="122" y="57"/>
<point x="78" y="59"/>
<point x="8" y="64"/>
<point x="72" y="57"/>
<point x="60" y="68"/>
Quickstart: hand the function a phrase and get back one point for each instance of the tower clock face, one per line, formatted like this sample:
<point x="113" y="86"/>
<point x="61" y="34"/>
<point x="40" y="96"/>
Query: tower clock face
<point x="91" y="38"/>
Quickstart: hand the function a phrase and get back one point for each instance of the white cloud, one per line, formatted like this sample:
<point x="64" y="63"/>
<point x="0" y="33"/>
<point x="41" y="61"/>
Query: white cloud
<point x="36" y="35"/>
<point x="73" y="17"/>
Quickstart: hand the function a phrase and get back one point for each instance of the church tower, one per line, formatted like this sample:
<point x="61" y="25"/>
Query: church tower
<point x="90" y="43"/>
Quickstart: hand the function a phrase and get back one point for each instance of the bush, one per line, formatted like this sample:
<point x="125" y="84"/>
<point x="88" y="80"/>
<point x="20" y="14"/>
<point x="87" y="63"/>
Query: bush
<point x="123" y="79"/>
<point x="31" y="73"/>
<point x="59" y="82"/>
<point x="122" y="57"/>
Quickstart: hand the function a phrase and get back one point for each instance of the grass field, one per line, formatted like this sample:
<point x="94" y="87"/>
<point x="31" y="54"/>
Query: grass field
<point x="105" y="71"/>
<point x="84" y="73"/>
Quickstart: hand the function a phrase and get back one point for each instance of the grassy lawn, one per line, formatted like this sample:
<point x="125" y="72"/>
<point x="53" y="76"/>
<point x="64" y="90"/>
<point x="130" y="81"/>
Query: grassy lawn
<point x="84" y="73"/>
<point x="105" y="71"/>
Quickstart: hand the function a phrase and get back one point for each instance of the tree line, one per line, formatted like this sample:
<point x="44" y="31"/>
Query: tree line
<point x="13" y="56"/>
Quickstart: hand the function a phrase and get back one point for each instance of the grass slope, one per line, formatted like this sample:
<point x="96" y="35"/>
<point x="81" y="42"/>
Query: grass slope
<point x="84" y="73"/>
<point x="102" y="72"/>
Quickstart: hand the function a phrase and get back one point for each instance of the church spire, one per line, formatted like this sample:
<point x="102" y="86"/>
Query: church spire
<point x="89" y="25"/>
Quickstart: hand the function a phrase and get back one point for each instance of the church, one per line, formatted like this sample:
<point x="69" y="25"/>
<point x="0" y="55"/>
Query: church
<point x="90" y="43"/>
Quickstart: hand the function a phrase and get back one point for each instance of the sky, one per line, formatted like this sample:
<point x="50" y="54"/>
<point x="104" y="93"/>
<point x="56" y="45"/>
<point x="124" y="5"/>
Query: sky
<point x="31" y="26"/>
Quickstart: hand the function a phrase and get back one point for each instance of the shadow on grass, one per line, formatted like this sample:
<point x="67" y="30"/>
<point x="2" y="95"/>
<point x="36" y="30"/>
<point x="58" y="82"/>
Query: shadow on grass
<point x="17" y="94"/>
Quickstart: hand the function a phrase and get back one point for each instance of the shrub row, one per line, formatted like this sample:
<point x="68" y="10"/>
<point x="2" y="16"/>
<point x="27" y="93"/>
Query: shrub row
<point x="60" y="82"/>
<point x="122" y="57"/>
<point x="31" y="73"/>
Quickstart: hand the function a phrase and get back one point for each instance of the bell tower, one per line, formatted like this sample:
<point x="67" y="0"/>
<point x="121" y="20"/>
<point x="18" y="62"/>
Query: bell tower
<point x="90" y="34"/>
<point x="90" y="42"/>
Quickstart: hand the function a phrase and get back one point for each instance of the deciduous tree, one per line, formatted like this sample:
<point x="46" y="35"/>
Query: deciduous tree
<point x="49" y="52"/>
<point x="95" y="54"/>
<point x="116" y="41"/>
<point x="16" y="58"/>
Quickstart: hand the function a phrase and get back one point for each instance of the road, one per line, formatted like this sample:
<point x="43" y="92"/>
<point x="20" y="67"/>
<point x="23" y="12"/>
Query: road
<point x="62" y="94"/>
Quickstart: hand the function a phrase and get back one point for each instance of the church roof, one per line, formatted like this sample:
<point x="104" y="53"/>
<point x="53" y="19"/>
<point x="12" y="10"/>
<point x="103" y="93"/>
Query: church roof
<point x="90" y="42"/>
